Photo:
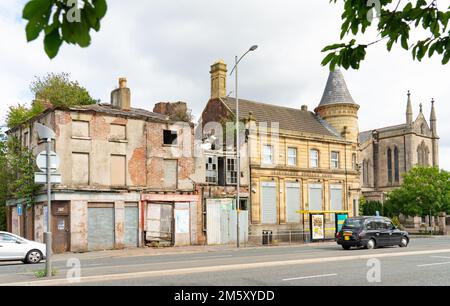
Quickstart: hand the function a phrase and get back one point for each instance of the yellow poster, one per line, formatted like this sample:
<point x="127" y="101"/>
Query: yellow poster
<point x="318" y="228"/>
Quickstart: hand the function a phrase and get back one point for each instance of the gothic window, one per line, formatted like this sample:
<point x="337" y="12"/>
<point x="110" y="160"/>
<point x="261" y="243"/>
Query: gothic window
<point x="366" y="180"/>
<point x="389" y="165"/>
<point x="423" y="155"/>
<point x="422" y="129"/>
<point x="396" y="166"/>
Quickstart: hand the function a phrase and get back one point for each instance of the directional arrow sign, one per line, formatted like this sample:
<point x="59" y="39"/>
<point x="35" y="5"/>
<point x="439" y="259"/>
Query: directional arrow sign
<point x="41" y="161"/>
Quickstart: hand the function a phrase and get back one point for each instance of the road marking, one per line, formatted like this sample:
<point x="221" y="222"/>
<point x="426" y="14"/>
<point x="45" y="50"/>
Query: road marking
<point x="212" y="257"/>
<point x="221" y="268"/>
<point x="435" y="264"/>
<point x="308" y="277"/>
<point x="445" y="257"/>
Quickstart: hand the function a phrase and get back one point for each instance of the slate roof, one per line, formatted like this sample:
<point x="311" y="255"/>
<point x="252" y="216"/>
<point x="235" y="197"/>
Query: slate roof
<point x="364" y="136"/>
<point x="133" y="112"/>
<point x="336" y="90"/>
<point x="289" y="118"/>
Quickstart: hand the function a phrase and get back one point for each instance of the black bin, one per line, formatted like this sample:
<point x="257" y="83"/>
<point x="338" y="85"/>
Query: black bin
<point x="267" y="237"/>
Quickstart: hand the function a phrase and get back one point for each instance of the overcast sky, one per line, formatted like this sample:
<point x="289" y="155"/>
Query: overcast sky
<point x="165" y="49"/>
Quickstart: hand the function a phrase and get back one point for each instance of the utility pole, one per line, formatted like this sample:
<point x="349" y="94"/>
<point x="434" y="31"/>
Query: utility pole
<point x="48" y="234"/>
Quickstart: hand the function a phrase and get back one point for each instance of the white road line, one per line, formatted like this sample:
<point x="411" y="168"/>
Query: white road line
<point x="212" y="257"/>
<point x="445" y="257"/>
<point x="435" y="264"/>
<point x="308" y="277"/>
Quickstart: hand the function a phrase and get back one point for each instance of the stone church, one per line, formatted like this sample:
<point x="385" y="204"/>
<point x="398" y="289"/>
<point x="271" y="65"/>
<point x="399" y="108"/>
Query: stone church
<point x="389" y="152"/>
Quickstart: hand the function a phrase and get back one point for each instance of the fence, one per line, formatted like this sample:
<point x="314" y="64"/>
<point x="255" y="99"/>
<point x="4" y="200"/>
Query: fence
<point x="285" y="237"/>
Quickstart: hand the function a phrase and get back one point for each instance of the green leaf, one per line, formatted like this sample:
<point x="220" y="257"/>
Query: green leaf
<point x="36" y="8"/>
<point x="328" y="58"/>
<point x="332" y="47"/>
<point x="52" y="43"/>
<point x="100" y="8"/>
<point x="33" y="29"/>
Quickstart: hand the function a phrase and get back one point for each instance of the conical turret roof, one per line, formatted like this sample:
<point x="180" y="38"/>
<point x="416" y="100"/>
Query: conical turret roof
<point x="336" y="91"/>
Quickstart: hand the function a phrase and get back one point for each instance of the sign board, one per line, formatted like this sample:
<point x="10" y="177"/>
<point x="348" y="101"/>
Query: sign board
<point x="340" y="219"/>
<point x="317" y="224"/>
<point x="19" y="210"/>
<point x="41" y="178"/>
<point x="41" y="161"/>
<point x="182" y="221"/>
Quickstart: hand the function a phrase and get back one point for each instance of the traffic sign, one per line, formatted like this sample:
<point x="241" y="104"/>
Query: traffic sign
<point x="41" y="178"/>
<point x="19" y="210"/>
<point x="41" y="161"/>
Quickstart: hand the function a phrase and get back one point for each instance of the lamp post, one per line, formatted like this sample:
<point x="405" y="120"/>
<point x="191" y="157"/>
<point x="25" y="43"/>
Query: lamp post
<point x="47" y="134"/>
<point x="238" y="159"/>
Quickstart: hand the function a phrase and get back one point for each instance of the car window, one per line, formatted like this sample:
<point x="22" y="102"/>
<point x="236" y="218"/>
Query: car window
<point x="352" y="223"/>
<point x="380" y="225"/>
<point x="7" y="238"/>
<point x="371" y="225"/>
<point x="389" y="225"/>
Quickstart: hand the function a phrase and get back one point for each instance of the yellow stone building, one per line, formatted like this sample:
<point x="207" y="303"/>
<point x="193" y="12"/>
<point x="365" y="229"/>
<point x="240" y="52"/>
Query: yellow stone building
<point x="293" y="159"/>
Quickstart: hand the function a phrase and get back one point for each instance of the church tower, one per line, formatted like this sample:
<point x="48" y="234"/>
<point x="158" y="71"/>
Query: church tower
<point x="434" y="135"/>
<point x="338" y="108"/>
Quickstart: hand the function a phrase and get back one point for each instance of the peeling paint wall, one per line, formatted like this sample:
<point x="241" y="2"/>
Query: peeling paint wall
<point x="78" y="226"/>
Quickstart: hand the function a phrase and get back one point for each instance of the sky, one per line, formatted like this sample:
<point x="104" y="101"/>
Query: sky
<point x="166" y="47"/>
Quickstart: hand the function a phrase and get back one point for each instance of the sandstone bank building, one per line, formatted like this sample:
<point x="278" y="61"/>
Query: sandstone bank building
<point x="126" y="175"/>
<point x="293" y="159"/>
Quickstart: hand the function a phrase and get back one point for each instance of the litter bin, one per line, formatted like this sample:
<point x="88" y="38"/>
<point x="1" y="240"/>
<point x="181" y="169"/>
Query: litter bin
<point x="267" y="237"/>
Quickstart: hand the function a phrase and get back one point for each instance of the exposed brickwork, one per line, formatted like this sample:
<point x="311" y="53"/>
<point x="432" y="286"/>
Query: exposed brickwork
<point x="136" y="167"/>
<point x="100" y="129"/>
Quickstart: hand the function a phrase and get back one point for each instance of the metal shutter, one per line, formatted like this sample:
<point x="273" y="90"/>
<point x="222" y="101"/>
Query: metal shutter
<point x="315" y="197"/>
<point x="293" y="202"/>
<point x="131" y="225"/>
<point x="100" y="227"/>
<point x="336" y="197"/>
<point x="268" y="203"/>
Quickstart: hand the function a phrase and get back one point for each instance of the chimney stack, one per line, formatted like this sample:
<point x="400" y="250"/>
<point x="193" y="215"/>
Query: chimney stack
<point x="121" y="97"/>
<point x="218" y="80"/>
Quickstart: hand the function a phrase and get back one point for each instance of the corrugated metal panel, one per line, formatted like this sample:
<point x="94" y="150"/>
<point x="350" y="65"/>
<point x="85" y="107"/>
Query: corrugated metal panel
<point x="131" y="226"/>
<point x="100" y="228"/>
<point x="268" y="203"/>
<point x="293" y="196"/>
<point x="315" y="197"/>
<point x="213" y="221"/>
<point x="336" y="197"/>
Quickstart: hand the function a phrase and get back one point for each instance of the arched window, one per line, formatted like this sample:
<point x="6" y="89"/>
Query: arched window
<point x="365" y="172"/>
<point x="422" y="129"/>
<point x="389" y="165"/>
<point x="423" y="155"/>
<point x="396" y="166"/>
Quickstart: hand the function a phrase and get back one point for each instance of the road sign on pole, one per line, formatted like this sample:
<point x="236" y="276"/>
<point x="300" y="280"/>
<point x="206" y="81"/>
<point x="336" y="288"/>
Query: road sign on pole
<point x="19" y="210"/>
<point x="41" y="161"/>
<point x="41" y="178"/>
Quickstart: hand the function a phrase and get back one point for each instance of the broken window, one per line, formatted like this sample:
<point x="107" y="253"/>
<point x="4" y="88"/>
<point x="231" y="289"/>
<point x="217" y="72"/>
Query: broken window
<point x="170" y="137"/>
<point x="231" y="174"/>
<point x="80" y="129"/>
<point x="118" y="170"/>
<point x="211" y="169"/>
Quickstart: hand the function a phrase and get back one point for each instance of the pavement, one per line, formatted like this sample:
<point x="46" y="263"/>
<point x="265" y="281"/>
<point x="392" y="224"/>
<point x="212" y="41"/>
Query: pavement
<point x="425" y="262"/>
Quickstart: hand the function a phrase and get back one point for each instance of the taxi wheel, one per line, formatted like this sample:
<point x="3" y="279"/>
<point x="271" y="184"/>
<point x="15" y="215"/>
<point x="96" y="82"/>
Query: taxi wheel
<point x="404" y="242"/>
<point x="346" y="247"/>
<point x="371" y="244"/>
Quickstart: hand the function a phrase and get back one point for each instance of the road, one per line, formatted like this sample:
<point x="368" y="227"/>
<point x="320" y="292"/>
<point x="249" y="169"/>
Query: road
<point x="425" y="262"/>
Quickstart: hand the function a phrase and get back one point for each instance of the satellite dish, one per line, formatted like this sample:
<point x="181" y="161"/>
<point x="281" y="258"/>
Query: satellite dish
<point x="44" y="132"/>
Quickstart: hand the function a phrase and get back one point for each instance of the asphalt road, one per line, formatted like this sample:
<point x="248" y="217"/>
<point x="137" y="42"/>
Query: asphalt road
<point x="425" y="262"/>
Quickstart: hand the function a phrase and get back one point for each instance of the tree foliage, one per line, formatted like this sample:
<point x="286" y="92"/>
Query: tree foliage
<point x="57" y="89"/>
<point x="425" y="191"/>
<point x="16" y="175"/>
<point x="396" y="22"/>
<point x="63" y="21"/>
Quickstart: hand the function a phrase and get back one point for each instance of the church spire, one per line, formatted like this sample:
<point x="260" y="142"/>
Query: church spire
<point x="433" y="119"/>
<point x="409" y="111"/>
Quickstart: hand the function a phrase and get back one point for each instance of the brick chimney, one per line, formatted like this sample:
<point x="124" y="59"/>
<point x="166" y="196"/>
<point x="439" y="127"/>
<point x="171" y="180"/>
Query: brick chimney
<point x="218" y="80"/>
<point x="121" y="97"/>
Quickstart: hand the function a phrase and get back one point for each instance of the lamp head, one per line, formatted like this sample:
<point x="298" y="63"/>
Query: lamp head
<point x="253" y="48"/>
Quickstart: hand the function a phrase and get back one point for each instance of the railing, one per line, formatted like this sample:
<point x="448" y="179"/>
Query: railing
<point x="285" y="237"/>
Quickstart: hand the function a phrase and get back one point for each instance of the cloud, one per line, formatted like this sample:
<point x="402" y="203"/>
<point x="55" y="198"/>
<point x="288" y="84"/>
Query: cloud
<point x="165" y="48"/>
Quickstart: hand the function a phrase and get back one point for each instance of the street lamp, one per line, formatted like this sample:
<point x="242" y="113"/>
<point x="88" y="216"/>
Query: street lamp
<point x="238" y="160"/>
<point x="48" y="135"/>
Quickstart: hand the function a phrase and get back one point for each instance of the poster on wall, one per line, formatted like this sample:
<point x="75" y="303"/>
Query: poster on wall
<point x="182" y="221"/>
<point x="340" y="219"/>
<point x="317" y="226"/>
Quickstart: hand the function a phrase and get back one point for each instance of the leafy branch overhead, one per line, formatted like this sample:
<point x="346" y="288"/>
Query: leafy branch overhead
<point x="63" y="21"/>
<point x="396" y="22"/>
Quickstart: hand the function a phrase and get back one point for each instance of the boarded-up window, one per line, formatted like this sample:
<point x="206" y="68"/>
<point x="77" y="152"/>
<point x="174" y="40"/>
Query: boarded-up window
<point x="118" y="170"/>
<point x="170" y="173"/>
<point x="336" y="197"/>
<point x="26" y="139"/>
<point x="118" y="132"/>
<point x="315" y="197"/>
<point x="293" y="199"/>
<point x="80" y="129"/>
<point x="268" y="203"/>
<point x="80" y="168"/>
